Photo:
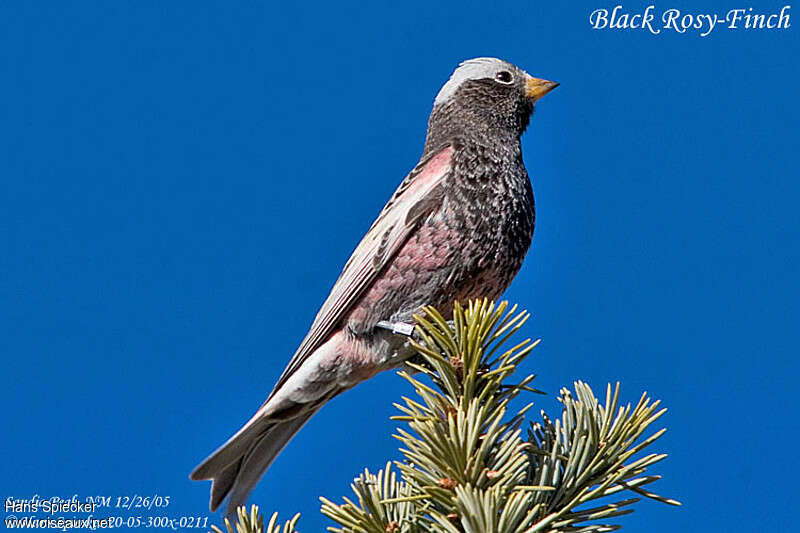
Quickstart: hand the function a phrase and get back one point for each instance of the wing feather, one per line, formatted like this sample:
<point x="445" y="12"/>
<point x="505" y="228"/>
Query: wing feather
<point x="397" y="221"/>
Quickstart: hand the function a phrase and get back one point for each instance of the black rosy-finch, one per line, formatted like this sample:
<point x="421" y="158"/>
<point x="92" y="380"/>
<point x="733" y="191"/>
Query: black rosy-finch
<point x="458" y="227"/>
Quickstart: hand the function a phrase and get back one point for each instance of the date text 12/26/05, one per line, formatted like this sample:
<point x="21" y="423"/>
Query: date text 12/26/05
<point x="675" y="20"/>
<point x="131" y="511"/>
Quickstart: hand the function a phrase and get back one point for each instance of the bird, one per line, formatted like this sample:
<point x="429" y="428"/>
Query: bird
<point x="457" y="227"/>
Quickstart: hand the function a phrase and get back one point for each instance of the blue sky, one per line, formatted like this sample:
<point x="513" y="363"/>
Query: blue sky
<point x="181" y="182"/>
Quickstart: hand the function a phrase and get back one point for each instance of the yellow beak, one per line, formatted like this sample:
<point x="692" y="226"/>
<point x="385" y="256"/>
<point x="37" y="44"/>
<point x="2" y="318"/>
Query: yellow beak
<point x="535" y="88"/>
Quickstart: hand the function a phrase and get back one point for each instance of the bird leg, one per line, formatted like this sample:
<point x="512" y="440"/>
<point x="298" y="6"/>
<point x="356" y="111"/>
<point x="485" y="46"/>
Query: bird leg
<point x="406" y="330"/>
<point x="400" y="328"/>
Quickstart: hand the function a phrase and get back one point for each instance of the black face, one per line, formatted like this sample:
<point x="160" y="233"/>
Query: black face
<point x="499" y="101"/>
<point x="486" y="100"/>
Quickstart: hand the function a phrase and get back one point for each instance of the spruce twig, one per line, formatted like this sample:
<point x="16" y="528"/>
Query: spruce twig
<point x="471" y="463"/>
<point x="467" y="466"/>
<point x="253" y="522"/>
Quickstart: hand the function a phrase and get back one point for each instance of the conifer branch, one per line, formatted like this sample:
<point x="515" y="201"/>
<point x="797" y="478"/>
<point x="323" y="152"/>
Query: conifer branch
<point x="253" y="522"/>
<point x="472" y="465"/>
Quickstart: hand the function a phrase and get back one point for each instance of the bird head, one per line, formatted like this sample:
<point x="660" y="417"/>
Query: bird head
<point x="488" y="94"/>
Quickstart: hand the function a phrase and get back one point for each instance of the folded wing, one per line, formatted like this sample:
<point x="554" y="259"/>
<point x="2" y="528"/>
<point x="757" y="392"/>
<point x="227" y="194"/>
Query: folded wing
<point x="417" y="196"/>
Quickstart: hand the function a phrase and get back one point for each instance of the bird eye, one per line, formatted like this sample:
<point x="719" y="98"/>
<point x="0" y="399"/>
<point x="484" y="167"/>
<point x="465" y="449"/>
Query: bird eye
<point x="504" y="76"/>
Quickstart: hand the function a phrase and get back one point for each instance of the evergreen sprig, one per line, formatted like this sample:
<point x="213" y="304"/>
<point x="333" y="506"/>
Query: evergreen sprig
<point x="253" y="522"/>
<point x="468" y="465"/>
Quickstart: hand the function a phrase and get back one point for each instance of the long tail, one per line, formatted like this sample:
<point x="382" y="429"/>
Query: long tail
<point x="236" y="467"/>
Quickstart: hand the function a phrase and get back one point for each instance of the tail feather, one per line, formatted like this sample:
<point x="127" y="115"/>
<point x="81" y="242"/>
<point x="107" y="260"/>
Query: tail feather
<point x="222" y="483"/>
<point x="261" y="454"/>
<point x="233" y="450"/>
<point x="236" y="467"/>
